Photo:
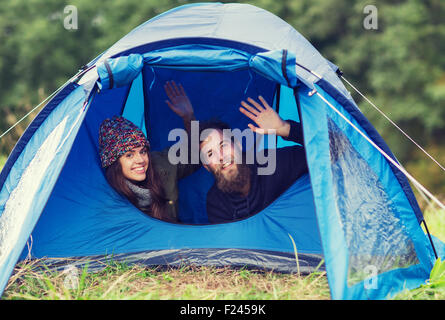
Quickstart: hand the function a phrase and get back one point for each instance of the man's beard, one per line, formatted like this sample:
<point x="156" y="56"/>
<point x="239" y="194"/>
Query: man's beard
<point x="237" y="183"/>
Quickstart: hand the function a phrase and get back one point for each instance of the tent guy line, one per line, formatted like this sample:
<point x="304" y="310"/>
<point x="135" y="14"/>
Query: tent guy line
<point x="41" y="103"/>
<point x="393" y="123"/>
<point x="375" y="107"/>
<point x="398" y="166"/>
<point x="32" y="110"/>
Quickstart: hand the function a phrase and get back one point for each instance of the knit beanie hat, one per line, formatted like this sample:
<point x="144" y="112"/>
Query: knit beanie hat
<point x="117" y="136"/>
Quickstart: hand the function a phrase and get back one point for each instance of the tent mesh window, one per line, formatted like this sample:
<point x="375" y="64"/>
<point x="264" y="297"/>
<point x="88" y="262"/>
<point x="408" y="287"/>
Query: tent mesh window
<point x="374" y="235"/>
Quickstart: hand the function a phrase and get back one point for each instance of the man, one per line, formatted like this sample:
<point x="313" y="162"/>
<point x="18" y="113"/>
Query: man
<point x="239" y="191"/>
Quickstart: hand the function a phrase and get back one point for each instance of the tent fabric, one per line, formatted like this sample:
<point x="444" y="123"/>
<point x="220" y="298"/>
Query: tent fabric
<point x="80" y="231"/>
<point x="357" y="178"/>
<point x="31" y="179"/>
<point x="367" y="127"/>
<point x="353" y="209"/>
<point x="119" y="72"/>
<point x="23" y="140"/>
<point x="229" y="22"/>
<point x="258" y="260"/>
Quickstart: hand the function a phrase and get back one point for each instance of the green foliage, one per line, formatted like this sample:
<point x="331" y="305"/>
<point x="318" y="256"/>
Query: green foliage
<point x="434" y="289"/>
<point x="437" y="276"/>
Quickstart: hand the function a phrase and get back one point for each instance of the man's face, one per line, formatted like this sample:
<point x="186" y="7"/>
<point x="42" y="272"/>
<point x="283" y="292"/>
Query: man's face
<point x="224" y="159"/>
<point x="220" y="155"/>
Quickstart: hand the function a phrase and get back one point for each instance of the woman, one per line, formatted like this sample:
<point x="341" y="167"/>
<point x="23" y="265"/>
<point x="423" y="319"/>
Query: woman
<point x="147" y="179"/>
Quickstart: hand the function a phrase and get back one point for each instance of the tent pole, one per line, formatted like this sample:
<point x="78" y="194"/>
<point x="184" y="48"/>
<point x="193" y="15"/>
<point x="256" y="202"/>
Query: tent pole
<point x="431" y="240"/>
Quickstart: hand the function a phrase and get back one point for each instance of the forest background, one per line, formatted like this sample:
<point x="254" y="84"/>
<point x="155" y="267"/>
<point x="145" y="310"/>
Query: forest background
<point x="392" y="50"/>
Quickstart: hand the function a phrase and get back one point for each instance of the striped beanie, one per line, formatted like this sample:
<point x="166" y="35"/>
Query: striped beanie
<point x="117" y="136"/>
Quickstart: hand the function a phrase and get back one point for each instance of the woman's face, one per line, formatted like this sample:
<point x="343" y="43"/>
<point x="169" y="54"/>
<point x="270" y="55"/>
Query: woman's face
<point x="134" y="164"/>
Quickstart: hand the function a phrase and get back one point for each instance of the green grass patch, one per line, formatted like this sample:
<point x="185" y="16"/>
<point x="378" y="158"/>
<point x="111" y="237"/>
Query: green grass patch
<point x="120" y="282"/>
<point x="434" y="288"/>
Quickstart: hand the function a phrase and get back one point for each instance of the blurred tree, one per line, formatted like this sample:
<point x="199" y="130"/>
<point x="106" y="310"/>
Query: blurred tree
<point x="38" y="54"/>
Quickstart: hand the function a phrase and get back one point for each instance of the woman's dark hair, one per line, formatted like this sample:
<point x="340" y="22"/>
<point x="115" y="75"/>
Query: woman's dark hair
<point x="116" y="179"/>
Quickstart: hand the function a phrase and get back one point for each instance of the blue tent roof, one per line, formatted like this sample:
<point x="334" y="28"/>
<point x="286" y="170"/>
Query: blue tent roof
<point x="230" y="22"/>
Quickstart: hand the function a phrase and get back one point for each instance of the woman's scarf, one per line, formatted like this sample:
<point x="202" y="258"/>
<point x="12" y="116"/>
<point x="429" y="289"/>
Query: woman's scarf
<point x="143" y="195"/>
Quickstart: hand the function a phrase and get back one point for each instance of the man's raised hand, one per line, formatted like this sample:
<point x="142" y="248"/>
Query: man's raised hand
<point x="265" y="117"/>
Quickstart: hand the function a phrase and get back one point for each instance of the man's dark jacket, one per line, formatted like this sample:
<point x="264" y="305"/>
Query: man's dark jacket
<point x="264" y="189"/>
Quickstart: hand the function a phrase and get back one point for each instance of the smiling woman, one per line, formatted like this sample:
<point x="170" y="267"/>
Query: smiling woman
<point x="124" y="155"/>
<point x="147" y="179"/>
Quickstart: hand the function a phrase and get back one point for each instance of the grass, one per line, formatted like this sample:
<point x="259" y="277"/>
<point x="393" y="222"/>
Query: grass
<point x="434" y="288"/>
<point x="435" y="220"/>
<point x="120" y="281"/>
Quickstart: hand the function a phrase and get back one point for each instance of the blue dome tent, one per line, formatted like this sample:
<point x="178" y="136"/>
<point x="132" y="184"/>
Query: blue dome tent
<point x="354" y="211"/>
